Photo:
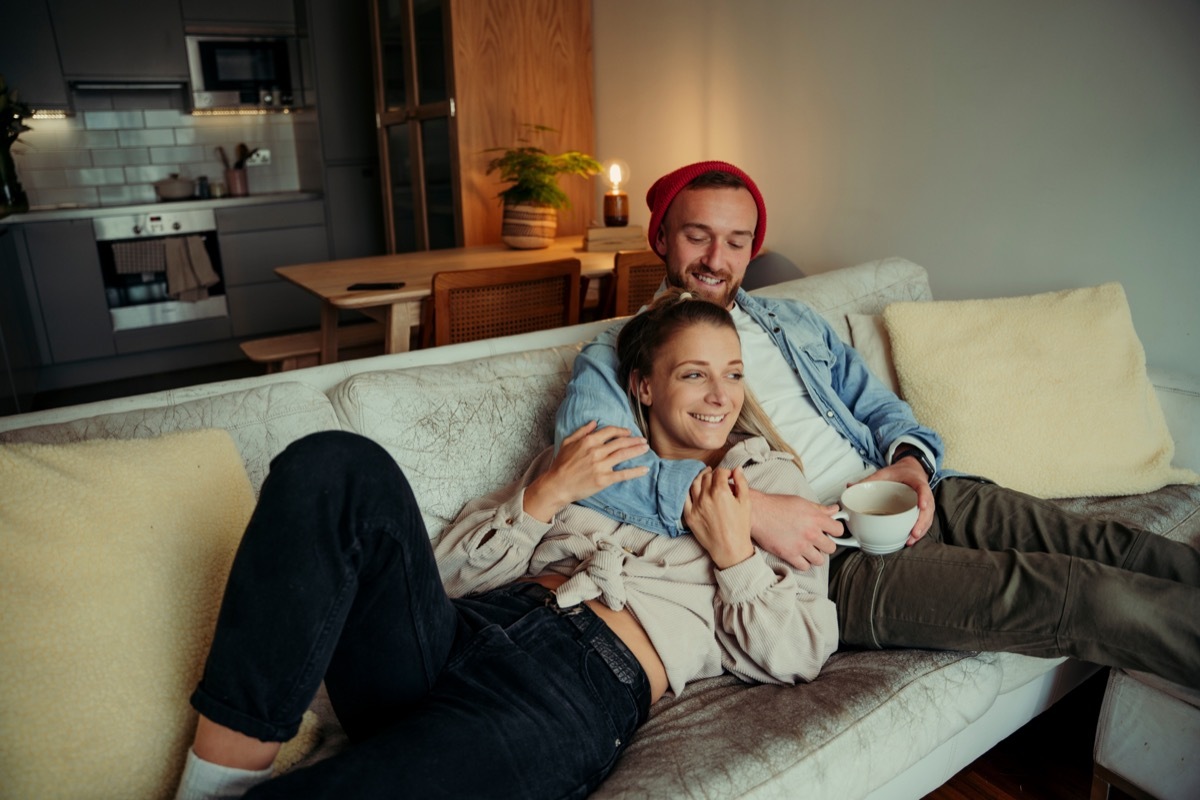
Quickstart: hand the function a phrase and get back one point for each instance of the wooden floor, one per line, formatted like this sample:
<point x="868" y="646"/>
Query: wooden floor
<point x="1048" y="759"/>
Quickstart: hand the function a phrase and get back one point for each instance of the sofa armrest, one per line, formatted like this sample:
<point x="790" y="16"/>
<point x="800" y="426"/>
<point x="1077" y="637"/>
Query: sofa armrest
<point x="1179" y="396"/>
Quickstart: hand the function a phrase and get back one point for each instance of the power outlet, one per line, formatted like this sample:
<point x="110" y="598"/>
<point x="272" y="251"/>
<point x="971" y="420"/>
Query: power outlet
<point x="259" y="158"/>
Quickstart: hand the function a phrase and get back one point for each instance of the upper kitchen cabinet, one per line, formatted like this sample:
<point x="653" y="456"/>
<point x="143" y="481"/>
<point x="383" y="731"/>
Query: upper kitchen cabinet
<point x="454" y="78"/>
<point x="121" y="40"/>
<point x="29" y="58"/>
<point x="239" y="15"/>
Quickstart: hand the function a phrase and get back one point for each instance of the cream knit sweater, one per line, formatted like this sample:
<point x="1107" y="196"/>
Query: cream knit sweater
<point x="760" y="619"/>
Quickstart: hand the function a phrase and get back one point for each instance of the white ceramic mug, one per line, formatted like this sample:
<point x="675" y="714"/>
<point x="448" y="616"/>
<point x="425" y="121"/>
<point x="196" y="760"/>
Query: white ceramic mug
<point x="879" y="514"/>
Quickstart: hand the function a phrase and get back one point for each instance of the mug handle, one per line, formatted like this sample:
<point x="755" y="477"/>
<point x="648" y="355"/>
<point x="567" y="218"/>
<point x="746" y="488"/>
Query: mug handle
<point x="848" y="539"/>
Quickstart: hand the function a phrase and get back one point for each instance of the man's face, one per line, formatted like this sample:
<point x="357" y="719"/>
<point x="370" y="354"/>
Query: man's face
<point x="705" y="240"/>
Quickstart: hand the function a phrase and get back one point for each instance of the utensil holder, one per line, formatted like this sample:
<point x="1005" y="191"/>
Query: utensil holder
<point x="235" y="179"/>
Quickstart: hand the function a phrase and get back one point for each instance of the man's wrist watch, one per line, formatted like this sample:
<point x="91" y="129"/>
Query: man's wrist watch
<point x="906" y="450"/>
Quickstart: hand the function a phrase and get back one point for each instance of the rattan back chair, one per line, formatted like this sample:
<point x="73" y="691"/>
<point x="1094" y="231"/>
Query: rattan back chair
<point x="483" y="303"/>
<point x="637" y="274"/>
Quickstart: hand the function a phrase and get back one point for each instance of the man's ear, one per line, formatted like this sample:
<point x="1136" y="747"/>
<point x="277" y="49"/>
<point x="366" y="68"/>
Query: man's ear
<point x="660" y="241"/>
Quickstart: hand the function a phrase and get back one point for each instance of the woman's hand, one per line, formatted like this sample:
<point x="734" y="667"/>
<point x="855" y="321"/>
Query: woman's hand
<point x="717" y="511"/>
<point x="584" y="464"/>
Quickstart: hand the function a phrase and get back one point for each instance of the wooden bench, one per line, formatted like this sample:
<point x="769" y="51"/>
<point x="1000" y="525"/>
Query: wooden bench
<point x="303" y="349"/>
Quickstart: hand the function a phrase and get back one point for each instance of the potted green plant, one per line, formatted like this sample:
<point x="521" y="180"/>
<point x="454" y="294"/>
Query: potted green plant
<point x="532" y="200"/>
<point x="12" y="112"/>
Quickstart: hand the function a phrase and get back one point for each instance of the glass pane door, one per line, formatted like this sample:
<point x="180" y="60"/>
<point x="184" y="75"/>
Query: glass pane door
<point x="415" y="107"/>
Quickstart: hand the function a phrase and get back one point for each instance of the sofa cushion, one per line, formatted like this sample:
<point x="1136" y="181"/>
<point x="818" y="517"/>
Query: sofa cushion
<point x="115" y="558"/>
<point x="864" y="721"/>
<point x="1046" y="394"/>
<point x="262" y="421"/>
<point x="459" y="431"/>
<point x="862" y="289"/>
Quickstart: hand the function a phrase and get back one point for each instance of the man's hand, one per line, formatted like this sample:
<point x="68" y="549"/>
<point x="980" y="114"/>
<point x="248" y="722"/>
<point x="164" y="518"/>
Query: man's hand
<point x="585" y="463"/>
<point x="910" y="472"/>
<point x="795" y="529"/>
<point x="717" y="511"/>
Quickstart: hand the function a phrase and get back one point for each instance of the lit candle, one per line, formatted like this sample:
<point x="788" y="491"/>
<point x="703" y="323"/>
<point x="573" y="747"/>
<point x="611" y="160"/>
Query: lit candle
<point x="616" y="202"/>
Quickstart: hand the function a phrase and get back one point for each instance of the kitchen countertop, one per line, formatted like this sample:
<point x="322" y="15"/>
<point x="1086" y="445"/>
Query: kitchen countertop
<point x="52" y="214"/>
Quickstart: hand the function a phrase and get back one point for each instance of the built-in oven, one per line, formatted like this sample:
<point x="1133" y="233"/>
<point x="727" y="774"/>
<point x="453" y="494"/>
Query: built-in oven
<point x="161" y="268"/>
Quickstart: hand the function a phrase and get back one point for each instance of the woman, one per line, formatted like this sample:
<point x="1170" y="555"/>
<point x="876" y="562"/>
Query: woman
<point x="565" y="626"/>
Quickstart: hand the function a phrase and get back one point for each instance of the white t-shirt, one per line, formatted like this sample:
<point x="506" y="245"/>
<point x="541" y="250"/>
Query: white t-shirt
<point x="830" y="462"/>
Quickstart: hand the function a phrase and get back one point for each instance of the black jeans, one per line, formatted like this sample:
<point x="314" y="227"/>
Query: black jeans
<point x="500" y="694"/>
<point x="1003" y="571"/>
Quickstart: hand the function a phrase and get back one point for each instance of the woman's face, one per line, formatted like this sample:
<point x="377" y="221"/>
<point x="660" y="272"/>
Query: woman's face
<point x="694" y="392"/>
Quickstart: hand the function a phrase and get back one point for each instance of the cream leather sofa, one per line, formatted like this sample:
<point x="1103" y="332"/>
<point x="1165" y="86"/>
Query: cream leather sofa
<point x="464" y="419"/>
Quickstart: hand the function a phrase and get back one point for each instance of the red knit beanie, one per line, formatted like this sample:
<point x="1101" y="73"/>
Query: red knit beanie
<point x="665" y="188"/>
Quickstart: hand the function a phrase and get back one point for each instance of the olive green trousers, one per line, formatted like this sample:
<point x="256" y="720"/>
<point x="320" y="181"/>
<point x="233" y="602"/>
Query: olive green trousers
<point x="1003" y="571"/>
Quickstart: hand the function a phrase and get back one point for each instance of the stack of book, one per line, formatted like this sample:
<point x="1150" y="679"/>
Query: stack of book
<point x="605" y="239"/>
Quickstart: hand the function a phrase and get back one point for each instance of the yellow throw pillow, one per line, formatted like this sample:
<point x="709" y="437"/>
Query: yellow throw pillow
<point x="1045" y="394"/>
<point x="113" y="560"/>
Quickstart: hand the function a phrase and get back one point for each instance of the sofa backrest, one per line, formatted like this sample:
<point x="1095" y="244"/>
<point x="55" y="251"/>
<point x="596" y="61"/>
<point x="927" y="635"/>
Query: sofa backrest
<point x="462" y="430"/>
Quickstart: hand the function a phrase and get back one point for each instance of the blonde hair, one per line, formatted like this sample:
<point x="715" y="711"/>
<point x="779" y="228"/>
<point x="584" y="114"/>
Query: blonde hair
<point x="640" y="341"/>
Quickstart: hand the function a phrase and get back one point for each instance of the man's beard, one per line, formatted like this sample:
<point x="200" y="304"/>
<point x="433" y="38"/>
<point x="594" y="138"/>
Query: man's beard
<point x="725" y="300"/>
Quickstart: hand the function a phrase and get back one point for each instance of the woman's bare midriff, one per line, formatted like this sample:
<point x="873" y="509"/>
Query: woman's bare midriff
<point x="629" y="631"/>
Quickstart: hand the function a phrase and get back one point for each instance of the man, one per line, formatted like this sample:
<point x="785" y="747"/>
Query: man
<point x="986" y="568"/>
<point x="707" y="233"/>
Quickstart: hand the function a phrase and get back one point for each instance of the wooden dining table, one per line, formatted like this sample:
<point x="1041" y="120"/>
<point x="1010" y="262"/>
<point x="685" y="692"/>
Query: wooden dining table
<point x="399" y="309"/>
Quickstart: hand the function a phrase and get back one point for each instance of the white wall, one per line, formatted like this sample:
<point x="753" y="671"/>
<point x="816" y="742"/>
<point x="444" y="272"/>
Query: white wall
<point x="1008" y="146"/>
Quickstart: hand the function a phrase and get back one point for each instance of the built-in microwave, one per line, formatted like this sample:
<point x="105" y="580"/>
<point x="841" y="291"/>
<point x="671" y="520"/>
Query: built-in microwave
<point x="244" y="72"/>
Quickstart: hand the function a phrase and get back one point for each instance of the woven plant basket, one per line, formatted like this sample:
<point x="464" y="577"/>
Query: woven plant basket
<point x="527" y="226"/>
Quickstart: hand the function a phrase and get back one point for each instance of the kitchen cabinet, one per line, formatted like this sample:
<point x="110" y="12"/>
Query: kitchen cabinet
<point x="345" y="148"/>
<point x="123" y="40"/>
<point x="19" y="355"/>
<point x="254" y="241"/>
<point x="243" y="14"/>
<point x="70" y="288"/>
<point x="29" y="58"/>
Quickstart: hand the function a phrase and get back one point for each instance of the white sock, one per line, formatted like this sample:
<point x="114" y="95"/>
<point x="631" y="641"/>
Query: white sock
<point x="203" y="780"/>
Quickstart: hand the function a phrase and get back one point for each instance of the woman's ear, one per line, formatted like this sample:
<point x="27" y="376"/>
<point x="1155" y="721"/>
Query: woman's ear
<point x="641" y="387"/>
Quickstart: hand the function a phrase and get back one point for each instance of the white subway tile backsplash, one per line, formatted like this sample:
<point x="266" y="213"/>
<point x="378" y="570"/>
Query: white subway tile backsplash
<point x="146" y="138"/>
<point x="56" y="159"/>
<point x="162" y="118"/>
<point x="130" y="156"/>
<point x="176" y="155"/>
<point x="96" y="176"/>
<point x="44" y="179"/>
<point x="113" y="120"/>
<point x="118" y="144"/>
<point x="149" y="174"/>
<point x="127" y="195"/>
<point x="58" y="197"/>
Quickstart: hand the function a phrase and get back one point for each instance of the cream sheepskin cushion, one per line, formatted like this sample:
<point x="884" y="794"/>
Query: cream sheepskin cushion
<point x="1046" y="394"/>
<point x="114" y="559"/>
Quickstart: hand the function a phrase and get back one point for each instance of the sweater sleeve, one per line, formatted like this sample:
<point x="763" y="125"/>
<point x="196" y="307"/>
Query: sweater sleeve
<point x="492" y="541"/>
<point x="775" y="624"/>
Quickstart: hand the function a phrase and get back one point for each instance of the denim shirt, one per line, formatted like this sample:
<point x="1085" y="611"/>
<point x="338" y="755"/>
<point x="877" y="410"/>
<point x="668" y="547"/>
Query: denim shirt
<point x="841" y="387"/>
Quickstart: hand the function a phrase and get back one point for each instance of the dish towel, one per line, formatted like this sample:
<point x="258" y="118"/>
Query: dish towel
<point x="189" y="270"/>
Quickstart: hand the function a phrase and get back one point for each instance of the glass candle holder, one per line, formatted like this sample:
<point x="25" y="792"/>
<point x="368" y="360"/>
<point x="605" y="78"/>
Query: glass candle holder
<point x="616" y="209"/>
